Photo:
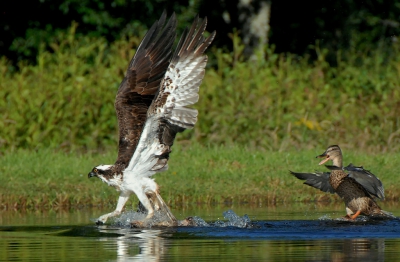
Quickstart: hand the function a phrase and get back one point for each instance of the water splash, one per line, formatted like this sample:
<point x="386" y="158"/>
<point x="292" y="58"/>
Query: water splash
<point x="325" y="217"/>
<point x="234" y="220"/>
<point x="127" y="218"/>
<point x="360" y="218"/>
<point x="200" y="222"/>
<point x="329" y="218"/>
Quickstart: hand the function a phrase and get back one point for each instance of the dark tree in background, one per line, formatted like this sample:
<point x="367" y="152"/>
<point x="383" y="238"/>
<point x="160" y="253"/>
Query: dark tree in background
<point x="297" y="24"/>
<point x="293" y="25"/>
<point x="24" y="26"/>
<point x="250" y="18"/>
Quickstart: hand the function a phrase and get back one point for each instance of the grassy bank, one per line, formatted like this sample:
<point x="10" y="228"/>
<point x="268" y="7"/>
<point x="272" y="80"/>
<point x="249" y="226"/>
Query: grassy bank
<point x="197" y="174"/>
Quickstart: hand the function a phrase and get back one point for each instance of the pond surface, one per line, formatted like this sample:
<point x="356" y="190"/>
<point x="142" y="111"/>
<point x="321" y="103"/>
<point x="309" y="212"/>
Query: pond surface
<point x="291" y="232"/>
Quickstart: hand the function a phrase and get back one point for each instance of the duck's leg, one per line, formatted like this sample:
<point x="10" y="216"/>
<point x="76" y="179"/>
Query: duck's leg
<point x="350" y="214"/>
<point x="355" y="215"/>
<point x="121" y="203"/>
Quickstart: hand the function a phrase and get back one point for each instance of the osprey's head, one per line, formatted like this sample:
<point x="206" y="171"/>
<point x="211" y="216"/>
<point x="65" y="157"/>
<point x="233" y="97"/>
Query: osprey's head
<point x="98" y="171"/>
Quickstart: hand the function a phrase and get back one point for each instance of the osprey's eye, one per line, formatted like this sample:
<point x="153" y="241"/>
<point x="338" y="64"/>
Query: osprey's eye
<point x="95" y="170"/>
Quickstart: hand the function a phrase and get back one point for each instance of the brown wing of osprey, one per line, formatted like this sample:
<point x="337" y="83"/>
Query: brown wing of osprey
<point x="141" y="83"/>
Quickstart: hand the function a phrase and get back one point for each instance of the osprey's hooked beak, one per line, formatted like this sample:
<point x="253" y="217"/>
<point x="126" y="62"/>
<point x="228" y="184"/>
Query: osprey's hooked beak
<point x="91" y="174"/>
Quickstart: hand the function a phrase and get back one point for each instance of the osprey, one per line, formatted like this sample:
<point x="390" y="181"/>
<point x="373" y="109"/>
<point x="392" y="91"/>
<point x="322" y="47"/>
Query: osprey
<point x="151" y="107"/>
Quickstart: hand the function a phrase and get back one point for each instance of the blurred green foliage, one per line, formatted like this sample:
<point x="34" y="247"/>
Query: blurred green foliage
<point x="284" y="100"/>
<point x="275" y="102"/>
<point x="65" y="100"/>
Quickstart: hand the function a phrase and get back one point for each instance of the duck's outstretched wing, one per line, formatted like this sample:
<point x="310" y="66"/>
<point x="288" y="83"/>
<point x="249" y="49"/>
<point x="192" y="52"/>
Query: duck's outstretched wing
<point x="365" y="178"/>
<point x="169" y="114"/>
<point x="368" y="180"/>
<point x="319" y="180"/>
<point x="140" y="85"/>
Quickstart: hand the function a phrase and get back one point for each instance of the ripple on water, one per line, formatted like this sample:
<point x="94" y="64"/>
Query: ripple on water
<point x="235" y="237"/>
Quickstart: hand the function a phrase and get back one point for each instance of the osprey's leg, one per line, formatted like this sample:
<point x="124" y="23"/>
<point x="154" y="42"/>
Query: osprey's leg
<point x="121" y="203"/>
<point x="146" y="203"/>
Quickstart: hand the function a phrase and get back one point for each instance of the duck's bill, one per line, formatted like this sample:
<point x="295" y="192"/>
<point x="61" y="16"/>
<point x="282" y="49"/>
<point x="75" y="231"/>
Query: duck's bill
<point x="324" y="161"/>
<point x="326" y="158"/>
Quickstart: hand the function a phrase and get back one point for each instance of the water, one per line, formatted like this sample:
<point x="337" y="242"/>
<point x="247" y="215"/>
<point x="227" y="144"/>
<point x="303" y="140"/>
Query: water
<point x="279" y="233"/>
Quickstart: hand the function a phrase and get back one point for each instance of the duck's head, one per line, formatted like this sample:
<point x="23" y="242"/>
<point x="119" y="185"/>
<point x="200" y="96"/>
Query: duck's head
<point x="332" y="153"/>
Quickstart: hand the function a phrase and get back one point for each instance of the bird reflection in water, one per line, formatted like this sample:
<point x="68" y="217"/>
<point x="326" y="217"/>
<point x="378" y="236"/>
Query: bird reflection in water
<point x="137" y="244"/>
<point x="360" y="249"/>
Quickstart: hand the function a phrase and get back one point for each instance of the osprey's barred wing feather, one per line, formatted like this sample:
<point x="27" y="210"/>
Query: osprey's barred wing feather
<point x="169" y="114"/>
<point x="180" y="88"/>
<point x="140" y="85"/>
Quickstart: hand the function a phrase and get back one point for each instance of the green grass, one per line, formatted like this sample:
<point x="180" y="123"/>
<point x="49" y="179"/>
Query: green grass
<point x="197" y="174"/>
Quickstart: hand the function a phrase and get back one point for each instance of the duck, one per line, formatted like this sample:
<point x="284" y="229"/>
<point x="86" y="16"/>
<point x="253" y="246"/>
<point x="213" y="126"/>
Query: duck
<point x="354" y="184"/>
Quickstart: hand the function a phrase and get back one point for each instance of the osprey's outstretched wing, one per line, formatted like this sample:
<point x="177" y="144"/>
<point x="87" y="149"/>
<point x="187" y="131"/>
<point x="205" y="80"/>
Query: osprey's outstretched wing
<point x="140" y="85"/>
<point x="169" y="114"/>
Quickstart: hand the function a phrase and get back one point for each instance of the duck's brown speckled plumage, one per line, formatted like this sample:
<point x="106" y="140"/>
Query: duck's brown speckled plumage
<point x="357" y="198"/>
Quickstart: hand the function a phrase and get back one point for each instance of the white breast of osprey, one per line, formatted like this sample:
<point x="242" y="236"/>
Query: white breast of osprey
<point x="115" y="181"/>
